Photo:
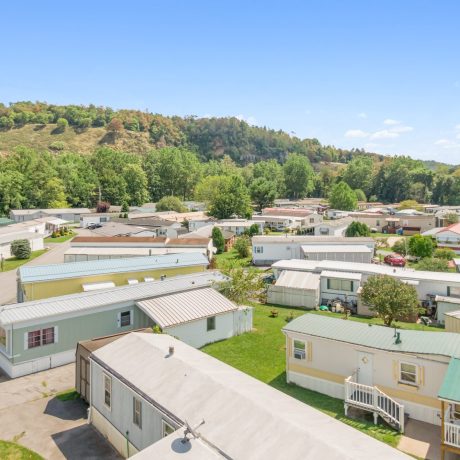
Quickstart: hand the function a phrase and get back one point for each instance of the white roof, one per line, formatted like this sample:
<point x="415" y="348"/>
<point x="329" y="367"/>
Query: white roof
<point x="24" y="212"/>
<point x="341" y="275"/>
<point x="173" y="309"/>
<point x="433" y="231"/>
<point x="441" y="298"/>
<point x="307" y="239"/>
<point x="96" y="286"/>
<point x="319" y="248"/>
<point x="244" y="418"/>
<point x="298" y="280"/>
<point x="52" y="220"/>
<point x="454" y="314"/>
<point x="130" y="251"/>
<point x="84" y="301"/>
<point x="10" y="237"/>
<point x="365" y="269"/>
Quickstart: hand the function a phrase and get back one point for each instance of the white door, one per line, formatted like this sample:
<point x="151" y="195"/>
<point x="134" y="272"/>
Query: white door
<point x="365" y="368"/>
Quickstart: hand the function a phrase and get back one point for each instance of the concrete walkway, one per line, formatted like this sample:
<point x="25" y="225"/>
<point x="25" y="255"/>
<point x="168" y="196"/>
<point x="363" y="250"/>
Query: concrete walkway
<point x="421" y="440"/>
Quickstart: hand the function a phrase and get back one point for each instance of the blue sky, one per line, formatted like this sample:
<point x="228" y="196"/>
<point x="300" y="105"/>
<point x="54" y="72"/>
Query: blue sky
<point x="384" y="75"/>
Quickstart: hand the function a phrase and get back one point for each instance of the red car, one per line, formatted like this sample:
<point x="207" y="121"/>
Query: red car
<point x="395" y="260"/>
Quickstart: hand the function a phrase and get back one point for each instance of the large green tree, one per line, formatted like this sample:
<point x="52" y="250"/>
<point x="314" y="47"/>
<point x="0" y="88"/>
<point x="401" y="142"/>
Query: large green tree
<point x="231" y="199"/>
<point x="357" y="229"/>
<point x="342" y="197"/>
<point x="389" y="298"/>
<point x="170" y="203"/>
<point x="263" y="192"/>
<point x="358" y="174"/>
<point x="136" y="184"/>
<point x="298" y="176"/>
<point x="421" y="246"/>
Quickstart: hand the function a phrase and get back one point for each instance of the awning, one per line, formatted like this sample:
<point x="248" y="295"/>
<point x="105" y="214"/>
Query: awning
<point x="450" y="389"/>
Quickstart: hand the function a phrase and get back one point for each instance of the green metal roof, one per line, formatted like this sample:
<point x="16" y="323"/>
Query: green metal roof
<point x="450" y="388"/>
<point x="378" y="337"/>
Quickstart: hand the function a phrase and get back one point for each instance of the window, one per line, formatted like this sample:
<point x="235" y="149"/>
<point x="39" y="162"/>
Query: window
<point x="137" y="412"/>
<point x="377" y="223"/>
<point x="48" y="336"/>
<point x="339" y="285"/>
<point x="299" y="349"/>
<point x="453" y="291"/>
<point x="125" y="318"/>
<point x="211" y="323"/>
<point x="408" y="373"/>
<point x="108" y="391"/>
<point x="259" y="249"/>
<point x="167" y="429"/>
<point x="2" y="337"/>
<point x="312" y="220"/>
<point x="33" y="339"/>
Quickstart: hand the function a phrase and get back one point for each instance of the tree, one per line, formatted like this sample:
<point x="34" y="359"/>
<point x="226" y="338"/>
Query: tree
<point x="420" y="246"/>
<point x="11" y="196"/>
<point x="124" y="207"/>
<point x="389" y="298"/>
<point x="115" y="126"/>
<point x="232" y="198"/>
<point x="451" y="218"/>
<point x="358" y="174"/>
<point x="444" y="253"/>
<point x="253" y="230"/>
<point x="298" y="176"/>
<point x="218" y="240"/>
<point x="272" y="171"/>
<point x="342" y="197"/>
<point x="263" y="192"/>
<point x="136" y="184"/>
<point x="400" y="247"/>
<point x="102" y="206"/>
<point x="358" y="229"/>
<point x="243" y="285"/>
<point x="409" y="204"/>
<point x="21" y="249"/>
<point x="62" y="124"/>
<point x="360" y="195"/>
<point x="242" y="246"/>
<point x="170" y="203"/>
<point x="432" y="264"/>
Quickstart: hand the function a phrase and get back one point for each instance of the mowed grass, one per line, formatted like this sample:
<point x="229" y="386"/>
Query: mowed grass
<point x="60" y="239"/>
<point x="261" y="354"/>
<point x="13" y="451"/>
<point x="231" y="257"/>
<point x="13" y="263"/>
<point x="69" y="395"/>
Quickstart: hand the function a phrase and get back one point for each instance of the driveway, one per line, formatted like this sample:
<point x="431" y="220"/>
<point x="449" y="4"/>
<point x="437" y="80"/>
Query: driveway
<point x="31" y="415"/>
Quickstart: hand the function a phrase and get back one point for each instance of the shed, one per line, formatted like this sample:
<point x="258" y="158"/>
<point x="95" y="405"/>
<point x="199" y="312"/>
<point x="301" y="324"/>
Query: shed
<point x="445" y="305"/>
<point x="295" y="289"/>
<point x="452" y="321"/>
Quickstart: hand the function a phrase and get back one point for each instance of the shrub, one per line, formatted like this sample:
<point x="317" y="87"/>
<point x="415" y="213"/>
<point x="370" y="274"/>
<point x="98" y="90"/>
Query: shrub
<point x="358" y="229"/>
<point x="431" y="264"/>
<point x="242" y="245"/>
<point x="57" y="145"/>
<point x="218" y="240"/>
<point x="62" y="124"/>
<point x="420" y="246"/>
<point x="21" y="249"/>
<point x="444" y="253"/>
<point x="400" y="247"/>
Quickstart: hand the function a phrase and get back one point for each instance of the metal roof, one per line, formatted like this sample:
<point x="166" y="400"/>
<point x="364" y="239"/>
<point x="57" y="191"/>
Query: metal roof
<point x="81" y="302"/>
<point x="298" y="280"/>
<point x="378" y="337"/>
<point x="19" y="212"/>
<point x="453" y="314"/>
<point x="244" y="418"/>
<point x="314" y="248"/>
<point x="441" y="298"/>
<point x="341" y="275"/>
<point x="8" y="238"/>
<point x="128" y="251"/>
<point x="30" y="274"/>
<point x="450" y="388"/>
<point x="306" y="239"/>
<point x="173" y="309"/>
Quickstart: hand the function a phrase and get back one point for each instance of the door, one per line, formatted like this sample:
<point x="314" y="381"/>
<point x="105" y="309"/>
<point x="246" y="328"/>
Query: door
<point x="84" y="378"/>
<point x="365" y="368"/>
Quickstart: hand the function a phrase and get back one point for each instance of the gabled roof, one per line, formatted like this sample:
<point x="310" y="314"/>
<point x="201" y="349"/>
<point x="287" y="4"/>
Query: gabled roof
<point x="174" y="309"/>
<point x="454" y="228"/>
<point x="244" y="418"/>
<point x="450" y="388"/>
<point x="70" y="304"/>
<point x="28" y="274"/>
<point x="377" y="337"/>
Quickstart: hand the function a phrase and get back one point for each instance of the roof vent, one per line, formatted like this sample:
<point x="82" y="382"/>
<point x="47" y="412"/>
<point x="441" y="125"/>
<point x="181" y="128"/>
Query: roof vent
<point x="398" y="338"/>
<point x="171" y="350"/>
<point x="162" y="277"/>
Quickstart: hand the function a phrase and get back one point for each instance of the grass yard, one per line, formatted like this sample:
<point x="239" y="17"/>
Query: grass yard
<point x="13" y="263"/>
<point x="69" y="395"/>
<point x="231" y="257"/>
<point x="13" y="451"/>
<point x="261" y="354"/>
<point x="60" y="239"/>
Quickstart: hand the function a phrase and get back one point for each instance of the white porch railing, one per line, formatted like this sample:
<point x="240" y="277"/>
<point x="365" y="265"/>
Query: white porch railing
<point x="372" y="399"/>
<point x="451" y="430"/>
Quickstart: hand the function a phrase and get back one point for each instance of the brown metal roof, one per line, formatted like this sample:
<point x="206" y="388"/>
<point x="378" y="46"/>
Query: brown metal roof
<point x="98" y="342"/>
<point x="118" y="239"/>
<point x="187" y="241"/>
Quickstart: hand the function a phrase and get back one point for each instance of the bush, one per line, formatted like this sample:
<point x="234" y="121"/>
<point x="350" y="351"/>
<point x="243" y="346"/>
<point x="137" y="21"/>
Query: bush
<point x="358" y="229"/>
<point x="242" y="245"/>
<point x="170" y="203"/>
<point x="57" y="145"/>
<point x="421" y="246"/>
<point x="431" y="264"/>
<point x="62" y="124"/>
<point x="400" y="247"/>
<point x="218" y="240"/>
<point x="21" y="249"/>
<point x="444" y="253"/>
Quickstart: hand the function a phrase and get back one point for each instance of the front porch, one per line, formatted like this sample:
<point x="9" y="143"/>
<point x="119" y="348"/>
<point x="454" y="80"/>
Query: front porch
<point x="450" y="428"/>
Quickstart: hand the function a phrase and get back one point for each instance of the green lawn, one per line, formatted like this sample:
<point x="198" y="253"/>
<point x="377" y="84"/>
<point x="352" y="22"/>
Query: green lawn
<point x="261" y="354"/>
<point x="60" y="239"/>
<point x="231" y="257"/>
<point x="69" y="395"/>
<point x="13" y="263"/>
<point x="13" y="451"/>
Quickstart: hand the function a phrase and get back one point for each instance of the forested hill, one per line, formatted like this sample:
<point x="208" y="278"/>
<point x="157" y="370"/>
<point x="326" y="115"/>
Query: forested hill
<point x="82" y="129"/>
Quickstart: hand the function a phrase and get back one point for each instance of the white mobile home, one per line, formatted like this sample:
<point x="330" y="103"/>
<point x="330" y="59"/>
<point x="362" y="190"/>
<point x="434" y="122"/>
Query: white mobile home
<point x="68" y="214"/>
<point x="335" y="227"/>
<point x="35" y="240"/>
<point x="205" y="409"/>
<point x="269" y="249"/>
<point x="371" y="367"/>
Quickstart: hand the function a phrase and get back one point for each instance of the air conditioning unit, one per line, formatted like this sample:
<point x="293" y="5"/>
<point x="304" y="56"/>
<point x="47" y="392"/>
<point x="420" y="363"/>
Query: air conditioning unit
<point x="299" y="354"/>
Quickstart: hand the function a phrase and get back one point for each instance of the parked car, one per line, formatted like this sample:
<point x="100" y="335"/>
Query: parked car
<point x="395" y="260"/>
<point x="93" y="226"/>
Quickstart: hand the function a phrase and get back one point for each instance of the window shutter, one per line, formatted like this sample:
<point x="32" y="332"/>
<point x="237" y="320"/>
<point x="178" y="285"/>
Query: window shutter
<point x="395" y="370"/>
<point x="310" y="351"/>
<point x="56" y="334"/>
<point x="421" y="375"/>
<point x="131" y="317"/>
<point x="26" y="341"/>
<point x="118" y="319"/>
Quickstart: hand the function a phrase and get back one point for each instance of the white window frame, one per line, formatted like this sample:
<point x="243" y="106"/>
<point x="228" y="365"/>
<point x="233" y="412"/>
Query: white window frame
<point x="406" y="382"/>
<point x="137" y="412"/>
<point x="208" y="329"/>
<point x="259" y="249"/>
<point x="299" y="353"/>
<point x="164" y="427"/>
<point x="26" y="337"/>
<point x="107" y="378"/>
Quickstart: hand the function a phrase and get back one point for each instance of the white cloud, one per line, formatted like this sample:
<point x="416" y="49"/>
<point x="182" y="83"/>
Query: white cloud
<point x="447" y="144"/>
<point x="362" y="115"/>
<point x="371" y="145"/>
<point x="354" y="133"/>
<point x="391" y="122"/>
<point x="457" y="127"/>
<point x="401" y="129"/>
<point x="249" y="120"/>
<point x="384" y="134"/>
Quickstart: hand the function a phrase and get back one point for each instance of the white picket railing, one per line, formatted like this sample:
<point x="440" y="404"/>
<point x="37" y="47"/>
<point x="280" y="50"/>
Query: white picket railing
<point x="371" y="398"/>
<point x="451" y="430"/>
